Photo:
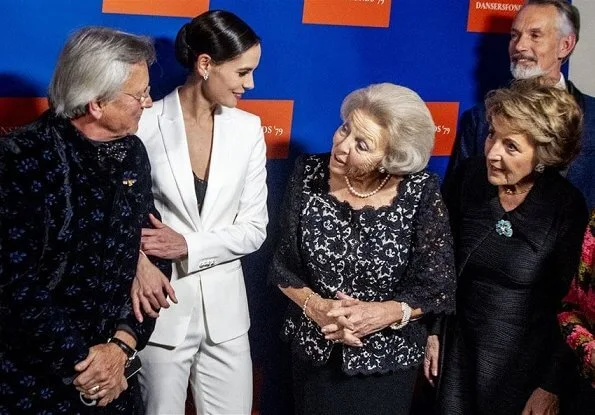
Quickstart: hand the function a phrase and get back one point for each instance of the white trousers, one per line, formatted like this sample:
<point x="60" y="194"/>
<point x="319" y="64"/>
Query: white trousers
<point x="220" y="375"/>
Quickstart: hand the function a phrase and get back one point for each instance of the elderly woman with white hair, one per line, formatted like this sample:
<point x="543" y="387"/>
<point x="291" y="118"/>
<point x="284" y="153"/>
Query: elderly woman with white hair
<point x="366" y="253"/>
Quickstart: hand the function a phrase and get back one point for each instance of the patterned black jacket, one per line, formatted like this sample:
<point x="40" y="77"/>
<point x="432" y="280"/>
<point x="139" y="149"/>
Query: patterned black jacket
<point x="71" y="212"/>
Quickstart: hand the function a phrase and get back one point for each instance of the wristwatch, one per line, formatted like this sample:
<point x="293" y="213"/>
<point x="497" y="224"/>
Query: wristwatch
<point x="130" y="352"/>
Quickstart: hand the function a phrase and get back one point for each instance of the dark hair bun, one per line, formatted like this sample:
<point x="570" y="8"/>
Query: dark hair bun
<point x="220" y="34"/>
<point x="184" y="53"/>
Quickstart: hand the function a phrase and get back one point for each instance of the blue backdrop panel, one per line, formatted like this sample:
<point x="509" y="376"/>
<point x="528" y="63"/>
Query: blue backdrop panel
<point x="426" y="48"/>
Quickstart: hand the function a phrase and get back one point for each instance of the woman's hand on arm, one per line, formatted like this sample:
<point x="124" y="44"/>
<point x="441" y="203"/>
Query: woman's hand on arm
<point x="150" y="289"/>
<point x="163" y="241"/>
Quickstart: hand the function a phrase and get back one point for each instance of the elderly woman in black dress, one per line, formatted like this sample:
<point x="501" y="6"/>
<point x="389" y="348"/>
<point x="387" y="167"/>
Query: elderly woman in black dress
<point x="518" y="227"/>
<point x="366" y="252"/>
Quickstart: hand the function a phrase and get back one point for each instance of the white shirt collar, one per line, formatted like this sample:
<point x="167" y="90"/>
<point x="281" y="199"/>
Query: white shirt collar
<point x="561" y="83"/>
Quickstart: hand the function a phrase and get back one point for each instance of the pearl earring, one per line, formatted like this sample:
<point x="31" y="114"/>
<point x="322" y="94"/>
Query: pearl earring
<point x="205" y="76"/>
<point x="539" y="168"/>
<point x="381" y="169"/>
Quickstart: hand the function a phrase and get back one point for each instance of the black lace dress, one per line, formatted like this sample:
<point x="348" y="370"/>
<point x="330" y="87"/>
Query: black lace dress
<point x="400" y="252"/>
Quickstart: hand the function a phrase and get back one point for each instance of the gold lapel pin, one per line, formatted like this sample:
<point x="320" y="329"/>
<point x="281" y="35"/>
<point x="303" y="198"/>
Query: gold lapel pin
<point x="128" y="182"/>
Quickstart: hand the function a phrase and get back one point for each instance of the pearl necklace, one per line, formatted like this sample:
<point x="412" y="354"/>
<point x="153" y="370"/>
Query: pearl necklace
<point x="366" y="195"/>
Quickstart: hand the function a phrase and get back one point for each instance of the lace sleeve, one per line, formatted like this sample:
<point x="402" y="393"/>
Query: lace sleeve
<point x="286" y="264"/>
<point x="430" y="279"/>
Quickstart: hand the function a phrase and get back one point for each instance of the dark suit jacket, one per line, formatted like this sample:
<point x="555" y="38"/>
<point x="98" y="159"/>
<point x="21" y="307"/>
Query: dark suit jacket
<point x="71" y="213"/>
<point x="473" y="130"/>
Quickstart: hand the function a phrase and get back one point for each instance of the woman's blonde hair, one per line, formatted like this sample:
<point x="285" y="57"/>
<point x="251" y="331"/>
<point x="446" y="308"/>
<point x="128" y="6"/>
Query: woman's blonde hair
<point x="544" y="113"/>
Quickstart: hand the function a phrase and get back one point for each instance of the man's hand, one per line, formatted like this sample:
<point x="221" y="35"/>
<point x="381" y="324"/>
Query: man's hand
<point x="101" y="375"/>
<point x="149" y="289"/>
<point x="542" y="402"/>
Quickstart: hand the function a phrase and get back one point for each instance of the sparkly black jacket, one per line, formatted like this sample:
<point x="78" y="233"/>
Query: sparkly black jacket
<point x="71" y="212"/>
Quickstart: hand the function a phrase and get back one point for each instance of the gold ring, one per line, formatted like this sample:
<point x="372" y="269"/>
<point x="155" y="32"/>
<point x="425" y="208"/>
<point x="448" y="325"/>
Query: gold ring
<point x="94" y="389"/>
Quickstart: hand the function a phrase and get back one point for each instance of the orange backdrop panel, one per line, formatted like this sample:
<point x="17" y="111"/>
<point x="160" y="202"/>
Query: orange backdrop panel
<point x="276" y="117"/>
<point x="492" y="16"/>
<point x="179" y="8"/>
<point x="445" y="115"/>
<point x="15" y="112"/>
<point x="374" y="13"/>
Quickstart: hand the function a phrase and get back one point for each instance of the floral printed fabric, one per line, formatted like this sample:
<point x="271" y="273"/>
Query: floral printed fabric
<point x="578" y="318"/>
<point x="71" y="213"/>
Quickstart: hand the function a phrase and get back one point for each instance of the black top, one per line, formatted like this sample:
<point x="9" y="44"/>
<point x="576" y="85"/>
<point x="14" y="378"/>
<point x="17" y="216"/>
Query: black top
<point x="399" y="252"/>
<point x="510" y="285"/>
<point x="200" y="187"/>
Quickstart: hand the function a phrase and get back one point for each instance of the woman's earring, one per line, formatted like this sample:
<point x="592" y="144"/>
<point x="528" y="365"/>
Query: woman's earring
<point x="205" y="76"/>
<point x="539" y="168"/>
<point x="381" y="169"/>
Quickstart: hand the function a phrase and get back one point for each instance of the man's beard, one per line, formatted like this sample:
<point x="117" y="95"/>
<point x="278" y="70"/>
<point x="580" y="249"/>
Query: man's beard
<point x="525" y="72"/>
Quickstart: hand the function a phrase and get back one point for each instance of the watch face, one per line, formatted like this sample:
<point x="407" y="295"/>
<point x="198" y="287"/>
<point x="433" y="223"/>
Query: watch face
<point x="132" y="367"/>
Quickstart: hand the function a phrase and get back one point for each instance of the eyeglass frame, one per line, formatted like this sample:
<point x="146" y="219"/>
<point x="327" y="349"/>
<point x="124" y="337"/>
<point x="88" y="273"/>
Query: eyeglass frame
<point x="143" y="98"/>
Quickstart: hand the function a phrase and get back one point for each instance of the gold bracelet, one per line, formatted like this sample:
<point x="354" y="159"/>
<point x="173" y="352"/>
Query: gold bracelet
<point x="305" y="306"/>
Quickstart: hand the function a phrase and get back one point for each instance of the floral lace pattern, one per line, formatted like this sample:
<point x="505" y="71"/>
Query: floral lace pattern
<point x="400" y="252"/>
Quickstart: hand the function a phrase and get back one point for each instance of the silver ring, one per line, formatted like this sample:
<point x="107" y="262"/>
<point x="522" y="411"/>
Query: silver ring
<point x="87" y="402"/>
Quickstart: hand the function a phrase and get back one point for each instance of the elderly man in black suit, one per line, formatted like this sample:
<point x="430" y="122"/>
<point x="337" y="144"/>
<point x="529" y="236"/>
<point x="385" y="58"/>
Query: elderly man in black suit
<point x="75" y="187"/>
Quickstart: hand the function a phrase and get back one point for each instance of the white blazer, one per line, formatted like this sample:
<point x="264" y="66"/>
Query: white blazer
<point x="232" y="223"/>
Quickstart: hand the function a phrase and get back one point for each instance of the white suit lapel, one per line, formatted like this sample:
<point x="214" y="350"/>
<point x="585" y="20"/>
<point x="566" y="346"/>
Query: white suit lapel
<point x="171" y="124"/>
<point x="219" y="166"/>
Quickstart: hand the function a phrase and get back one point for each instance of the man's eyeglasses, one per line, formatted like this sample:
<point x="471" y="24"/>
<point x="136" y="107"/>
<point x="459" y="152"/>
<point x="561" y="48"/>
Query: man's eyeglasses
<point x="143" y="98"/>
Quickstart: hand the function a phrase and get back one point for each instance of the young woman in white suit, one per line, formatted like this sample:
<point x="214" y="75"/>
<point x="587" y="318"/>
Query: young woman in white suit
<point x="209" y="181"/>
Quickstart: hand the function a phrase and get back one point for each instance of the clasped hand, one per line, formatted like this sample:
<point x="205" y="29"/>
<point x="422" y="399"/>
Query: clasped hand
<point x="101" y="374"/>
<point x="348" y="320"/>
